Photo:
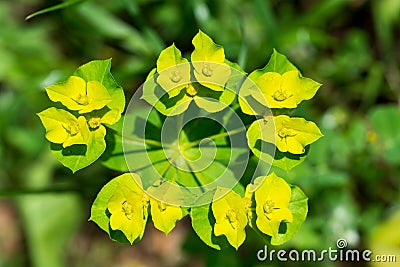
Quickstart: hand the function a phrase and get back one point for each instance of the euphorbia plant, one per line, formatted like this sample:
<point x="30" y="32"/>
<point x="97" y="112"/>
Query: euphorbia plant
<point x="197" y="139"/>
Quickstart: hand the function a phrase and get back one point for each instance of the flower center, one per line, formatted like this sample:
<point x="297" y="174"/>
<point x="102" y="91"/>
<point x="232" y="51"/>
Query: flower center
<point x="286" y="132"/>
<point x="231" y="216"/>
<point x="82" y="100"/>
<point x="72" y="128"/>
<point x="207" y="71"/>
<point x="191" y="90"/>
<point x="269" y="206"/>
<point x="266" y="118"/>
<point x="162" y="206"/>
<point x="145" y="203"/>
<point x="280" y="95"/>
<point x="175" y="77"/>
<point x="94" y="122"/>
<point x="127" y="210"/>
<point x="247" y="202"/>
<point x="145" y="199"/>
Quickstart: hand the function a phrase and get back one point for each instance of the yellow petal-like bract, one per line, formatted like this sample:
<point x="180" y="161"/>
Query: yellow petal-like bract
<point x="76" y="94"/>
<point x="231" y="219"/>
<point x="64" y="128"/>
<point x="272" y="198"/>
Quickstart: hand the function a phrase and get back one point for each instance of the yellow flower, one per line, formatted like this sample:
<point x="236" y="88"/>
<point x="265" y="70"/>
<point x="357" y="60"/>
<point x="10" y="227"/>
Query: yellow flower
<point x="230" y="217"/>
<point x="128" y="207"/>
<point x="272" y="201"/>
<point x="77" y="94"/>
<point x="164" y="216"/>
<point x="64" y="128"/>
<point x="294" y="134"/>
<point x="173" y="70"/>
<point x="97" y="118"/>
<point x="285" y="90"/>
<point x="208" y="60"/>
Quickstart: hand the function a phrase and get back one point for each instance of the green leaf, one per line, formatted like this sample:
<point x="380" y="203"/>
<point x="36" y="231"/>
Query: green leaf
<point x="298" y="207"/>
<point x="203" y="224"/>
<point x="173" y="70"/>
<point x="214" y="171"/>
<point x="186" y="176"/>
<point x="164" y="216"/>
<point x="247" y="96"/>
<point x="54" y="8"/>
<point x="213" y="101"/>
<point x="114" y="157"/>
<point x="99" y="70"/>
<point x="208" y="60"/>
<point x="206" y="49"/>
<point x="110" y="26"/>
<point x="99" y="213"/>
<point x="288" y="161"/>
<point x="76" y="157"/>
<point x="170" y="57"/>
<point x="261" y="139"/>
<point x="294" y="134"/>
<point x="278" y="63"/>
<point x="237" y="75"/>
<point x="230" y="216"/>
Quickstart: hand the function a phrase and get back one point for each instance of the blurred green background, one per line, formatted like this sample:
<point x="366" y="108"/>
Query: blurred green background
<point x="351" y="176"/>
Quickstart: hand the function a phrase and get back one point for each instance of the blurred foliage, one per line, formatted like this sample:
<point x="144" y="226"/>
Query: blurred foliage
<point x="351" y="175"/>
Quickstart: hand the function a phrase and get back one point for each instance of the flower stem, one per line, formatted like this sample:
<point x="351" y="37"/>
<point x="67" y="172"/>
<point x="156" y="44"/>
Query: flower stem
<point x="216" y="136"/>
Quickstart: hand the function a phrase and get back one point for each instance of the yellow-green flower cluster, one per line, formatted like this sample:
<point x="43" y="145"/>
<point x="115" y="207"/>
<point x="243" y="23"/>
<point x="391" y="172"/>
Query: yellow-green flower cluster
<point x="175" y="83"/>
<point x="271" y="93"/>
<point x="269" y="207"/>
<point x="129" y="208"/>
<point x="87" y="104"/>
